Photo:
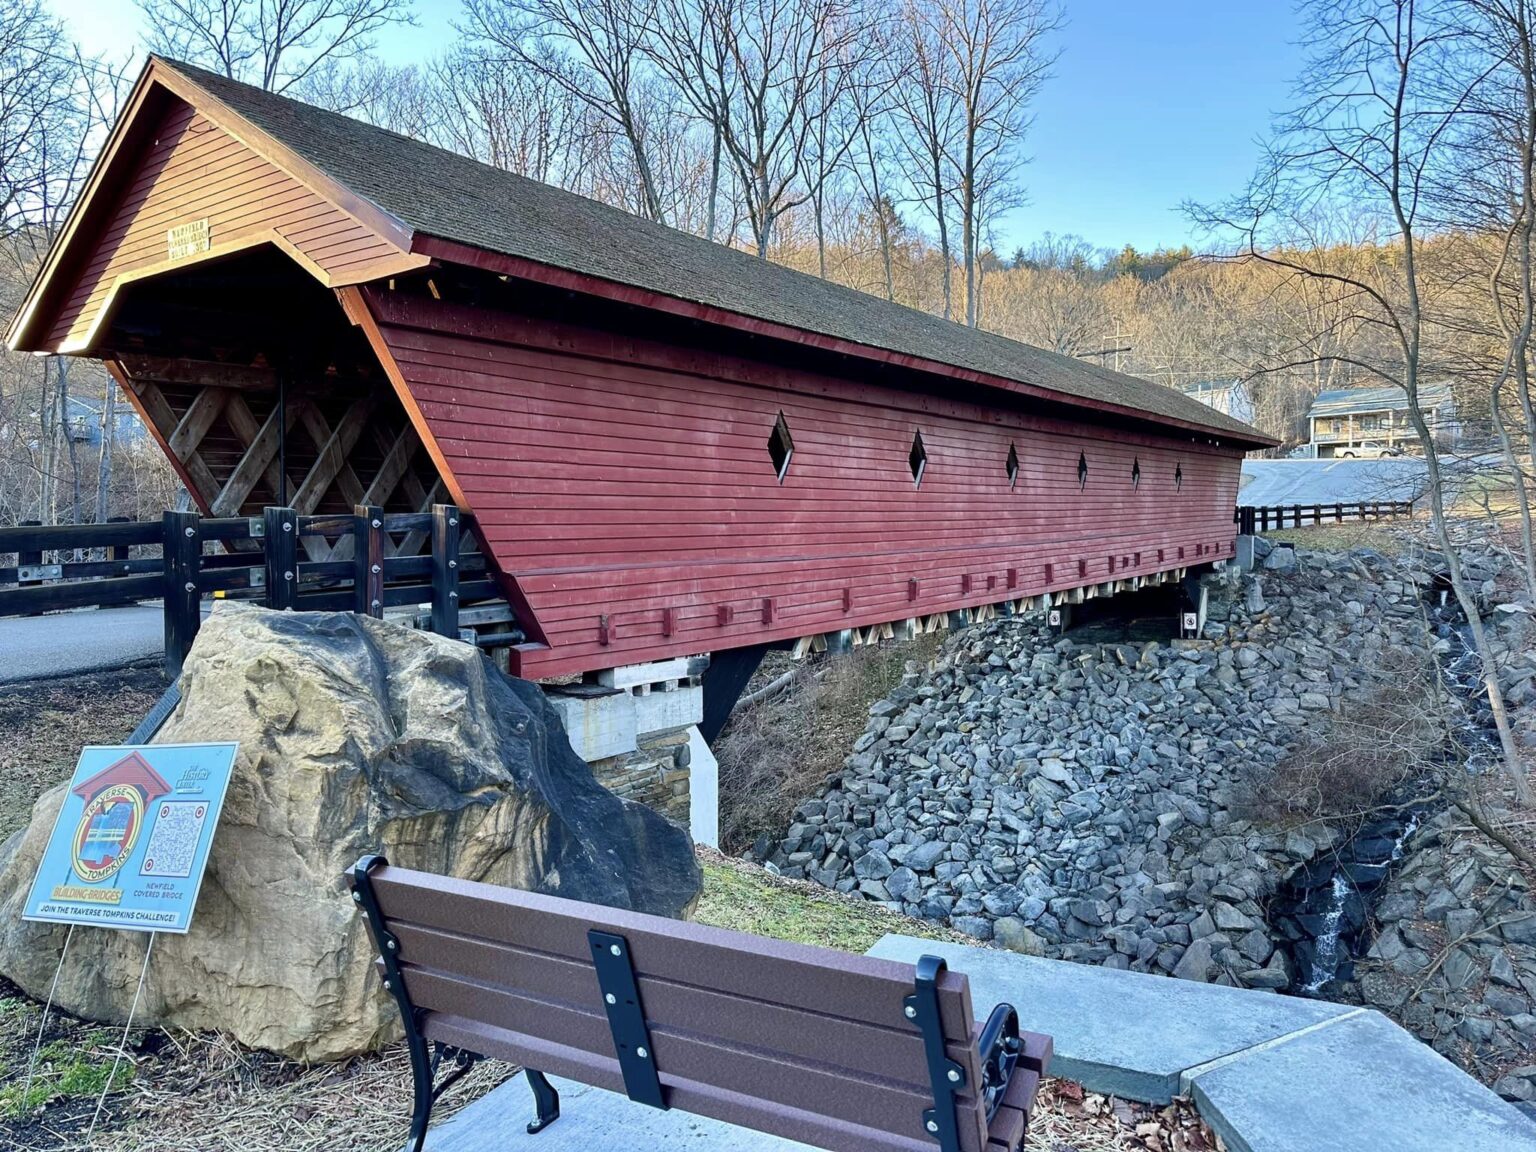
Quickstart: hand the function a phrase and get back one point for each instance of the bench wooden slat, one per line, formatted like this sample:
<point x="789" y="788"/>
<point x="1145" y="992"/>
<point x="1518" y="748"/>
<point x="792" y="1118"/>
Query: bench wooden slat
<point x="888" y="1051"/>
<point x="881" y="1105"/>
<point x="1010" y="1124"/>
<point x="804" y="1042"/>
<point x="816" y="979"/>
<point x="1038" y="1050"/>
<point x="1007" y="1129"/>
<point x="700" y="1099"/>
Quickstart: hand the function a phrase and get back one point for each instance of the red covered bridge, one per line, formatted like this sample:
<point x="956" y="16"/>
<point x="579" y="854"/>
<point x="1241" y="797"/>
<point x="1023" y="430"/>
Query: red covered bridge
<point x="669" y="447"/>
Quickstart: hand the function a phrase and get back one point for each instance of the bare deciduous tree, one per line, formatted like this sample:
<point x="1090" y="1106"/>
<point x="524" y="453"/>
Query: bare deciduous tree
<point x="594" y="50"/>
<point x="997" y="63"/>
<point x="1376" y="115"/>
<point x="54" y="106"/>
<point x="275" y="44"/>
<point x="767" y="77"/>
<point x="929" y="118"/>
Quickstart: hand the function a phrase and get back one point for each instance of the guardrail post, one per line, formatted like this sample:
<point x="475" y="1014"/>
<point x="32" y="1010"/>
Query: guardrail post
<point x="117" y="551"/>
<point x="34" y="558"/>
<point x="445" y="570"/>
<point x="368" y="554"/>
<point x="181" y="551"/>
<point x="281" y="528"/>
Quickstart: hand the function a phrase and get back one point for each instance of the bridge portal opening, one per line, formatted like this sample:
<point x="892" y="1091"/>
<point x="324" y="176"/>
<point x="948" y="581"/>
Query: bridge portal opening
<point x="261" y="391"/>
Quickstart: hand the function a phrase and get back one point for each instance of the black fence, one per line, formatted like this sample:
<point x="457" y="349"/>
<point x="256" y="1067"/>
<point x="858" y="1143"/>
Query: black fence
<point x="1253" y="520"/>
<point x="365" y="562"/>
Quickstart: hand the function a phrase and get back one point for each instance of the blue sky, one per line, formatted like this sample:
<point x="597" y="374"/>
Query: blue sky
<point x="1153" y="102"/>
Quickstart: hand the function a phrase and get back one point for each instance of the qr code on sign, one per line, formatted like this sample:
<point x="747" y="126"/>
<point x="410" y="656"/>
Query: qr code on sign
<point x="173" y="840"/>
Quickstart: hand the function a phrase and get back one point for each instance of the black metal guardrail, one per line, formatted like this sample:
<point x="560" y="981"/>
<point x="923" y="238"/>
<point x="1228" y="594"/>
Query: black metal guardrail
<point x="281" y="559"/>
<point x="1251" y="520"/>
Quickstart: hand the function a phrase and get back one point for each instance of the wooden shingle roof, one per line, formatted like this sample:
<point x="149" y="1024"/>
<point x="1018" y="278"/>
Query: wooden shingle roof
<point x="436" y="194"/>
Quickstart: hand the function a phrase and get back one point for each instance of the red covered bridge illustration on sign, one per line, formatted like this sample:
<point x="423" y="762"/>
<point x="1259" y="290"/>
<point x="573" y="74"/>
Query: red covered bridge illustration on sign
<point x="108" y="830"/>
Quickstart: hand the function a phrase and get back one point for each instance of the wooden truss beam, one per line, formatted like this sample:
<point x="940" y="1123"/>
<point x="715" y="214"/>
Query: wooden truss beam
<point x="204" y="483"/>
<point x="331" y="464"/>
<point x="185" y="370"/>
<point x="260" y="459"/>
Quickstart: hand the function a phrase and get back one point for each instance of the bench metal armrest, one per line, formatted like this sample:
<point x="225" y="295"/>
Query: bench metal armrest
<point x="999" y="1044"/>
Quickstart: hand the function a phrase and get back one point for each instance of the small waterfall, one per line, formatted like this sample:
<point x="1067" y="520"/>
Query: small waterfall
<point x="1322" y="909"/>
<point x="1325" y="959"/>
<point x="1327" y="956"/>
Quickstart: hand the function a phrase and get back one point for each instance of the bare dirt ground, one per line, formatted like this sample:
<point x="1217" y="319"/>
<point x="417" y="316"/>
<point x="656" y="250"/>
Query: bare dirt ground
<point x="43" y="725"/>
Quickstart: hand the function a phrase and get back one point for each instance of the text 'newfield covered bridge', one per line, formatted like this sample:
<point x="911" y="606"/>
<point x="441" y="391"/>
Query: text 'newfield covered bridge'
<point x="669" y="447"/>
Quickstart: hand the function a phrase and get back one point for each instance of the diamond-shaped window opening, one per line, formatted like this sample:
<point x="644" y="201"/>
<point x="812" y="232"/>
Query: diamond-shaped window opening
<point x="1013" y="466"/>
<point x="780" y="447"/>
<point x="1136" y="472"/>
<point x="1082" y="470"/>
<point x="1178" y="477"/>
<point x="917" y="459"/>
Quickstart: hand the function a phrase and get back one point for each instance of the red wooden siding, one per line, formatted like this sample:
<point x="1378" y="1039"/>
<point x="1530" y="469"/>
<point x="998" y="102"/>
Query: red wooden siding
<point x="194" y="170"/>
<point x="632" y="480"/>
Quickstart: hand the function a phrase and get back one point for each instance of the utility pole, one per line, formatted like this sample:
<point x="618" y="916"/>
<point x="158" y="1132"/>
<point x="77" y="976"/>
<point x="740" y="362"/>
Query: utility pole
<point x="1114" y="349"/>
<point x="1115" y="346"/>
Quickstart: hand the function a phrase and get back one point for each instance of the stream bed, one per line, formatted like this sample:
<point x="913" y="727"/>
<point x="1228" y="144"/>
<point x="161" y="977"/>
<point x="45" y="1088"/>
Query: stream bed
<point x="1321" y="911"/>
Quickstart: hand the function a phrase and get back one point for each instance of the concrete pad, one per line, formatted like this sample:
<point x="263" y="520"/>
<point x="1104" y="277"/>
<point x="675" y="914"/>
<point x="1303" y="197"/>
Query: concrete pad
<point x="1126" y="1033"/>
<point x="591" y="1120"/>
<point x="1359" y="1085"/>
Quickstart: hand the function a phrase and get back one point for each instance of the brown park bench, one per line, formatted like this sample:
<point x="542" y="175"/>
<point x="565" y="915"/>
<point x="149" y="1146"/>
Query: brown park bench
<point x="835" y="1050"/>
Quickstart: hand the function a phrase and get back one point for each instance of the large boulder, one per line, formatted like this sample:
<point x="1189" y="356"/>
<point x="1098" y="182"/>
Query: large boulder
<point x="355" y="736"/>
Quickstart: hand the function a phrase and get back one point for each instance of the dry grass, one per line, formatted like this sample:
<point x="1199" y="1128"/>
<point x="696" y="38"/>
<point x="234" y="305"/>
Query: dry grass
<point x="777" y="753"/>
<point x="1390" y="735"/>
<point x="178" y="1091"/>
<point x="747" y="898"/>
<point x="1388" y="537"/>
<point x="215" y="1096"/>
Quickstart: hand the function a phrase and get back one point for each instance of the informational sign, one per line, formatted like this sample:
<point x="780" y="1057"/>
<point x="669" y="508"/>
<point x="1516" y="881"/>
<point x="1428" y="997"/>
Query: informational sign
<point x="187" y="240"/>
<point x="132" y="837"/>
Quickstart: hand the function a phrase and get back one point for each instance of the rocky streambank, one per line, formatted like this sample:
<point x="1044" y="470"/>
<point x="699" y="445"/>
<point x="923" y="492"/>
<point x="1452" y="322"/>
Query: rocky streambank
<point x="1104" y="802"/>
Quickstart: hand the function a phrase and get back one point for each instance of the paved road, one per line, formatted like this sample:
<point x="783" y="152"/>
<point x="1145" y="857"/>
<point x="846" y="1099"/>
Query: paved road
<point x="34" y="647"/>
<point x="1272" y="482"/>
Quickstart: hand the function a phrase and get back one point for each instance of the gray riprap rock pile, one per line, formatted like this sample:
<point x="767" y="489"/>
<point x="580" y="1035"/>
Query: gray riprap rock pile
<point x="1454" y="958"/>
<point x="356" y="736"/>
<point x="1077" y="800"/>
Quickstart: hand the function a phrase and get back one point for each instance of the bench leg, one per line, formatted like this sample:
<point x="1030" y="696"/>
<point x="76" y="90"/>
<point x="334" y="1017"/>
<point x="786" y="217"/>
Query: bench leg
<point x="424" y="1078"/>
<point x="545" y="1099"/>
<point x="421" y="1112"/>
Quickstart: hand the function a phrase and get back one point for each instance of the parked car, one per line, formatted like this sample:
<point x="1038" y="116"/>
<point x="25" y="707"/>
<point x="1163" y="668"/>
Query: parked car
<point x="1369" y="450"/>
